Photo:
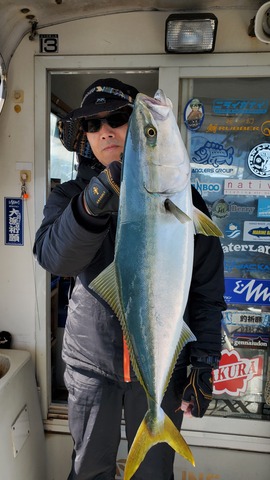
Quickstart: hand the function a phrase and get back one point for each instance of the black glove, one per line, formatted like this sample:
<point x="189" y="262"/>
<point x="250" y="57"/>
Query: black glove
<point x="198" y="390"/>
<point x="101" y="196"/>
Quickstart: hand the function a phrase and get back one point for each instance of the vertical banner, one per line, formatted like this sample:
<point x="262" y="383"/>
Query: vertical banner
<point x="14" y="221"/>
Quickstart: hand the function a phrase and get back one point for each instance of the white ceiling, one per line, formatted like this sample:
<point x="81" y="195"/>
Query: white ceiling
<point x="15" y="24"/>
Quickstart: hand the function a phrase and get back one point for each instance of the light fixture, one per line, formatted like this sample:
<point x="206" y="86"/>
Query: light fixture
<point x="191" y="33"/>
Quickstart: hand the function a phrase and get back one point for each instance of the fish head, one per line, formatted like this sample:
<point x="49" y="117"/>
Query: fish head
<point x="162" y="157"/>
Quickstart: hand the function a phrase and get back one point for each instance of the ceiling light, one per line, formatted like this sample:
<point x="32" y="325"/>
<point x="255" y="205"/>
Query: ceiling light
<point x="191" y="33"/>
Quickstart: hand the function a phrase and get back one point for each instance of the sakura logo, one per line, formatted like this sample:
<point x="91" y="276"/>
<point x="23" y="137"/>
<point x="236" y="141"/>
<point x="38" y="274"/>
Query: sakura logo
<point x="234" y="373"/>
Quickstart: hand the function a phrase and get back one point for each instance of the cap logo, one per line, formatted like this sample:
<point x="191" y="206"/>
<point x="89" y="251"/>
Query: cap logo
<point x="112" y="91"/>
<point x="100" y="100"/>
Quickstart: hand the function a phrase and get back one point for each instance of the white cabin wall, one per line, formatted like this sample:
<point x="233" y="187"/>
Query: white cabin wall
<point x="131" y="33"/>
<point x="17" y="304"/>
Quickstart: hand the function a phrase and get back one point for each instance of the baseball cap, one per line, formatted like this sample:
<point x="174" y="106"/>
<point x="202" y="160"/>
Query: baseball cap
<point x="108" y="94"/>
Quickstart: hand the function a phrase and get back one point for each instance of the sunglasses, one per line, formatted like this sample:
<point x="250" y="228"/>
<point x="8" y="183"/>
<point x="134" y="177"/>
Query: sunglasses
<point x="115" y="120"/>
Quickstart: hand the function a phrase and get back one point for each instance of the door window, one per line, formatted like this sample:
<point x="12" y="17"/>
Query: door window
<point x="227" y="126"/>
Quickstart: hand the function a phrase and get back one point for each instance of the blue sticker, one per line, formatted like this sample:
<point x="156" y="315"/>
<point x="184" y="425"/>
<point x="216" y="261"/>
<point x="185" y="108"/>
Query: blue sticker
<point x="248" y="291"/>
<point x="213" y="153"/>
<point x="240" y="106"/>
<point x="247" y="268"/>
<point x="194" y="114"/>
<point x="204" y="188"/>
<point x="13" y="221"/>
<point x="232" y="230"/>
<point x="264" y="207"/>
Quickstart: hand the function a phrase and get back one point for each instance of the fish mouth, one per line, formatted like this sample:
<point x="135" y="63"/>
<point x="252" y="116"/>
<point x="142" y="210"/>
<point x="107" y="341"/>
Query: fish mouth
<point x="156" y="192"/>
<point x="158" y="107"/>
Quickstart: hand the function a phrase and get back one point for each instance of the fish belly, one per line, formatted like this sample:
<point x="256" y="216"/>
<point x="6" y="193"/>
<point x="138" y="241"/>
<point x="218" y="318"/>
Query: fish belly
<point x="154" y="262"/>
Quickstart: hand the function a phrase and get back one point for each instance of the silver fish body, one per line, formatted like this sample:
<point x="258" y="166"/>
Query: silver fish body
<point x="148" y="283"/>
<point x="154" y="251"/>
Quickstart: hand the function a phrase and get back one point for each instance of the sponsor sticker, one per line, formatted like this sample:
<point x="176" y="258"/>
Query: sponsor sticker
<point x="241" y="209"/>
<point x="246" y="187"/>
<point x="194" y="114"/>
<point x="213" y="153"/>
<point x="245" y="317"/>
<point x="222" y="171"/>
<point x="240" y="106"/>
<point x="247" y="268"/>
<point x="259" y="160"/>
<point x="220" y="209"/>
<point x="265" y="128"/>
<point x="246" y="247"/>
<point x="256" y="231"/>
<point x="247" y="291"/>
<point x="232" y="230"/>
<point x="264" y="207"/>
<point x="246" y="337"/>
<point x="214" y="128"/>
<point x="204" y="188"/>
<point x="235" y="372"/>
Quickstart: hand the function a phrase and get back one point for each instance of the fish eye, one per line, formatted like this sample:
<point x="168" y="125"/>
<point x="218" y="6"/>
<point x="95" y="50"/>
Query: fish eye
<point x="150" y="131"/>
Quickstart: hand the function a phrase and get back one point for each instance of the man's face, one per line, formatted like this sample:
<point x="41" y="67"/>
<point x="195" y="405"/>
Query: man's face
<point x="107" y="143"/>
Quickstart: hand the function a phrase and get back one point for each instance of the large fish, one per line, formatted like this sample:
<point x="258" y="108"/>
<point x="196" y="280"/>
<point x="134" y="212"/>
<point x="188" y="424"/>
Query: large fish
<point x="148" y="283"/>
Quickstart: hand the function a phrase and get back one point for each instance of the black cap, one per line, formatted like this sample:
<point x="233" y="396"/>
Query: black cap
<point x="104" y="95"/>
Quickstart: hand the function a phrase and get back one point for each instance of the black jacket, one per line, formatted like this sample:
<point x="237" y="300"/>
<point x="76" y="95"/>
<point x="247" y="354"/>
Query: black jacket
<point x="71" y="243"/>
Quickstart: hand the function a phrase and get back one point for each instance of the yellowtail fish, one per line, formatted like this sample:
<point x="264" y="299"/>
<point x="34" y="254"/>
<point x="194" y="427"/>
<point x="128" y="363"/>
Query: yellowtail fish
<point x="147" y="285"/>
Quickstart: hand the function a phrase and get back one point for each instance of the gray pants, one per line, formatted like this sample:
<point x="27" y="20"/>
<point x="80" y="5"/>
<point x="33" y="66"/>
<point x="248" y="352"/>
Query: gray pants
<point x="95" y="406"/>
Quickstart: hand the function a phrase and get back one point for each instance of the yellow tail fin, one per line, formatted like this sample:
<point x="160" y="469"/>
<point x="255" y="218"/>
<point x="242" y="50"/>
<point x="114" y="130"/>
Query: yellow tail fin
<point x="145" y="439"/>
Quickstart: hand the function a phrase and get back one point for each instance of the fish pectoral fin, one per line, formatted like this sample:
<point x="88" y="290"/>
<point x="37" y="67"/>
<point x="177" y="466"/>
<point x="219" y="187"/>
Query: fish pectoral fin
<point x="186" y="336"/>
<point x="165" y="431"/>
<point x="176" y="211"/>
<point x="204" y="225"/>
<point x="106" y="286"/>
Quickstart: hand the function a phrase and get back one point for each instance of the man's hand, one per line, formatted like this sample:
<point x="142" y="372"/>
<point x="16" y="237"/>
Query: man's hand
<point x="101" y="196"/>
<point x="197" y="392"/>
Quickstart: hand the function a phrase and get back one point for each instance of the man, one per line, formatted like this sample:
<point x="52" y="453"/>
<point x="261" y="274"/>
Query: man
<point x="77" y="239"/>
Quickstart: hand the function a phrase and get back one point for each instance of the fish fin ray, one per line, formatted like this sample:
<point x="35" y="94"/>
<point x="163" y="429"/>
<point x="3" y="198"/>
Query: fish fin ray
<point x="204" y="225"/>
<point x="176" y="211"/>
<point x="166" y="431"/>
<point x="186" y="336"/>
<point x="106" y="286"/>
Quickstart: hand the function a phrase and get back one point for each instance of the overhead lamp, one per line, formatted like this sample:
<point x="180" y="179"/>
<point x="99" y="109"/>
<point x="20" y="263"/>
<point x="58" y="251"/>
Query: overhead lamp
<point x="191" y="33"/>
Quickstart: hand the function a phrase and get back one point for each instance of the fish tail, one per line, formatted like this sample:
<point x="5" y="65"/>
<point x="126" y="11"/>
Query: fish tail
<point x="146" y="438"/>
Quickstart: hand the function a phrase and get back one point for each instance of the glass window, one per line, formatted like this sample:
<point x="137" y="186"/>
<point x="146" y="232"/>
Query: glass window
<point x="227" y="127"/>
<point x="62" y="162"/>
<point x="63" y="166"/>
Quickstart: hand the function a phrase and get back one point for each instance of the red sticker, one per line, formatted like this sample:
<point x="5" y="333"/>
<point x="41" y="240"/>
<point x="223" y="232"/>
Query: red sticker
<point x="234" y="373"/>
